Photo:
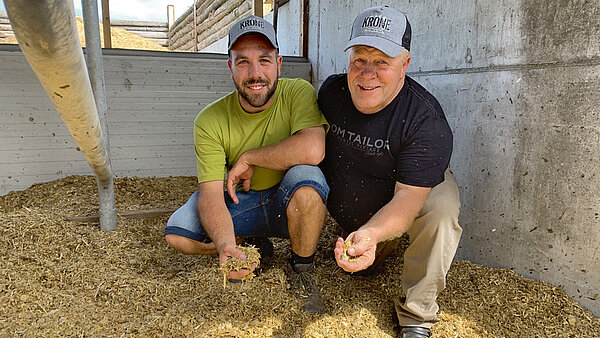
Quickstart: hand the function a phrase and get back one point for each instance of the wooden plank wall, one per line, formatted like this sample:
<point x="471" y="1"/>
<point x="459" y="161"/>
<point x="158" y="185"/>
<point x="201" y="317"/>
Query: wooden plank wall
<point x="213" y="18"/>
<point x="153" y="98"/>
<point x="5" y="27"/>
<point x="157" y="31"/>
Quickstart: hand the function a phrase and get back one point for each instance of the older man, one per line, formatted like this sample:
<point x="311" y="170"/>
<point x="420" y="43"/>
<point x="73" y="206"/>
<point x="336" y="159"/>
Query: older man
<point x="262" y="142"/>
<point x="387" y="166"/>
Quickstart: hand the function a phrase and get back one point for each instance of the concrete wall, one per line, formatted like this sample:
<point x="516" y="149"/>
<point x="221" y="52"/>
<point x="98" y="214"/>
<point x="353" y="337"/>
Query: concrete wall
<point x="519" y="82"/>
<point x="152" y="97"/>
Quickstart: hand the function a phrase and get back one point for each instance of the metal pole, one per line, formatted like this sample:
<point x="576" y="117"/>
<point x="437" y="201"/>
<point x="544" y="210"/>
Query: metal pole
<point x="47" y="34"/>
<point x="95" y="66"/>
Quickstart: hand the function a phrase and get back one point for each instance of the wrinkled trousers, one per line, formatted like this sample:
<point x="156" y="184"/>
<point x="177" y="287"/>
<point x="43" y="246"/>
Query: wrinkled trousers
<point x="434" y="238"/>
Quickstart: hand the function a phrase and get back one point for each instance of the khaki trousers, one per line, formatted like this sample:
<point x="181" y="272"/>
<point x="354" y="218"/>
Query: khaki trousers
<point x="434" y="237"/>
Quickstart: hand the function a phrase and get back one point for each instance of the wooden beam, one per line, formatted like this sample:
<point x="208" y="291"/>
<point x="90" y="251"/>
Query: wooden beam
<point x="170" y="15"/>
<point x="305" y="9"/>
<point x="195" y="27"/>
<point x="133" y="214"/>
<point x="106" y="24"/>
<point x="258" y="8"/>
<point x="275" y="12"/>
<point x="148" y="24"/>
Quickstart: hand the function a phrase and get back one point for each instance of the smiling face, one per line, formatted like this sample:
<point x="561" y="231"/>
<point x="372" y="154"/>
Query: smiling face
<point x="374" y="78"/>
<point x="255" y="68"/>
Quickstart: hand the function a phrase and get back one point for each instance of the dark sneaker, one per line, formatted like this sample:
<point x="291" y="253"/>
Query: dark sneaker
<point x="302" y="282"/>
<point x="414" y="332"/>
<point x="265" y="249"/>
<point x="264" y="246"/>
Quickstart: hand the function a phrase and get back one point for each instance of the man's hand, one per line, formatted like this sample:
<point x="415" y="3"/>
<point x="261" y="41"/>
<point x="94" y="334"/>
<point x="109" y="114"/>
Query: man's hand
<point x="364" y="248"/>
<point x="241" y="171"/>
<point x="230" y="250"/>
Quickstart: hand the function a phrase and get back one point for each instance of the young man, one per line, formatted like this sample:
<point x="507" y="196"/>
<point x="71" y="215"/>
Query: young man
<point x="387" y="166"/>
<point x="262" y="143"/>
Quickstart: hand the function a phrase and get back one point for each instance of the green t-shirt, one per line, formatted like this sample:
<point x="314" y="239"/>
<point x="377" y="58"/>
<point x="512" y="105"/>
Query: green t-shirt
<point x="223" y="131"/>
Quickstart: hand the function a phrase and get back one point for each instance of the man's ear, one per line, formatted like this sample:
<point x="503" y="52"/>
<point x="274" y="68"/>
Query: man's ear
<point x="279" y="63"/>
<point x="406" y="63"/>
<point x="230" y="64"/>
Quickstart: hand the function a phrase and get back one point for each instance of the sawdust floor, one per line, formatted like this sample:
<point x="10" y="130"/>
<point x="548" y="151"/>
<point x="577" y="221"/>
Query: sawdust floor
<point x="71" y="279"/>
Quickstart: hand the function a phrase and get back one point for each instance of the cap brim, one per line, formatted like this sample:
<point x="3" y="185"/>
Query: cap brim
<point x="386" y="46"/>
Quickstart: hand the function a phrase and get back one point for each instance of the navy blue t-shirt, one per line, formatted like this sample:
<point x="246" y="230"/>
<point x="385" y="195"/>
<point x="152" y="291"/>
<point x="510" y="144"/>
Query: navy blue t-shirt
<point x="409" y="141"/>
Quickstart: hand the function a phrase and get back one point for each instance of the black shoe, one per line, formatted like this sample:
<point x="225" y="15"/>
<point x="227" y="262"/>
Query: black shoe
<point x="414" y="332"/>
<point x="263" y="244"/>
<point x="265" y="249"/>
<point x="301" y="280"/>
<point x="371" y="271"/>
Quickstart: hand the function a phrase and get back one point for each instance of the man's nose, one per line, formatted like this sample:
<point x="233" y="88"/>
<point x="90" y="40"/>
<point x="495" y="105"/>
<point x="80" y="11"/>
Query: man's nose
<point x="368" y="70"/>
<point x="254" y="70"/>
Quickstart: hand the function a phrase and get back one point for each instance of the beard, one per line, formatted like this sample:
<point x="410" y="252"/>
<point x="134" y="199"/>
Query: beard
<point x="256" y="100"/>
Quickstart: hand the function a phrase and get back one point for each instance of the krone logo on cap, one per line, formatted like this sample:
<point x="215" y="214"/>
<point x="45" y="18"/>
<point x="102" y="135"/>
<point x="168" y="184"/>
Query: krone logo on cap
<point x="376" y="23"/>
<point x="252" y="22"/>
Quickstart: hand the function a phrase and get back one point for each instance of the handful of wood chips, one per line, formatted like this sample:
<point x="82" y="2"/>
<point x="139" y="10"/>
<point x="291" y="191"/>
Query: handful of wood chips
<point x="235" y="264"/>
<point x="345" y="256"/>
<point x="346" y="246"/>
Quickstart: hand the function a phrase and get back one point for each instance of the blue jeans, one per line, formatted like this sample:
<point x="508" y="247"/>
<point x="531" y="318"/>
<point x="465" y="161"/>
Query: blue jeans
<point x="258" y="214"/>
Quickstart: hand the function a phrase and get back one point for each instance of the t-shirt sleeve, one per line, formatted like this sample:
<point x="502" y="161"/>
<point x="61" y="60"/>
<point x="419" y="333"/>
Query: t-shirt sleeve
<point x="210" y="154"/>
<point x="304" y="108"/>
<point x="426" y="154"/>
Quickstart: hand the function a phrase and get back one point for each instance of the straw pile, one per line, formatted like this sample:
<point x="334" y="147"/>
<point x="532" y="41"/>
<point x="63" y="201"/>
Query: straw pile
<point x="120" y="39"/>
<point x="60" y="278"/>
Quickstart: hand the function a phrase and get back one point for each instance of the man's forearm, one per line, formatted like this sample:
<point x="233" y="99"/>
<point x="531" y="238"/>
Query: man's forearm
<point x="305" y="147"/>
<point x="394" y="218"/>
<point x="215" y="218"/>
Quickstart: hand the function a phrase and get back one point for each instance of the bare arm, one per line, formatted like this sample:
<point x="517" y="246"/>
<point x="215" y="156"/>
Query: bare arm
<point x="306" y="146"/>
<point x="391" y="221"/>
<point x="217" y="223"/>
<point x="396" y="216"/>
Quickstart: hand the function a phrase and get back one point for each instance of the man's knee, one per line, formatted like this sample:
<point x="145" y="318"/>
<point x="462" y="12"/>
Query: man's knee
<point x="306" y="197"/>
<point x="177" y="242"/>
<point x="439" y="214"/>
<point x="443" y="209"/>
<point x="305" y="176"/>
<point x="303" y="172"/>
<point x="443" y="201"/>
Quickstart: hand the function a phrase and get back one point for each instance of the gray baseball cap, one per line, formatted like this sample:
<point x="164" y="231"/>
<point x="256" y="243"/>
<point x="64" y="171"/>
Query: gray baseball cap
<point x="381" y="27"/>
<point x="252" y="24"/>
